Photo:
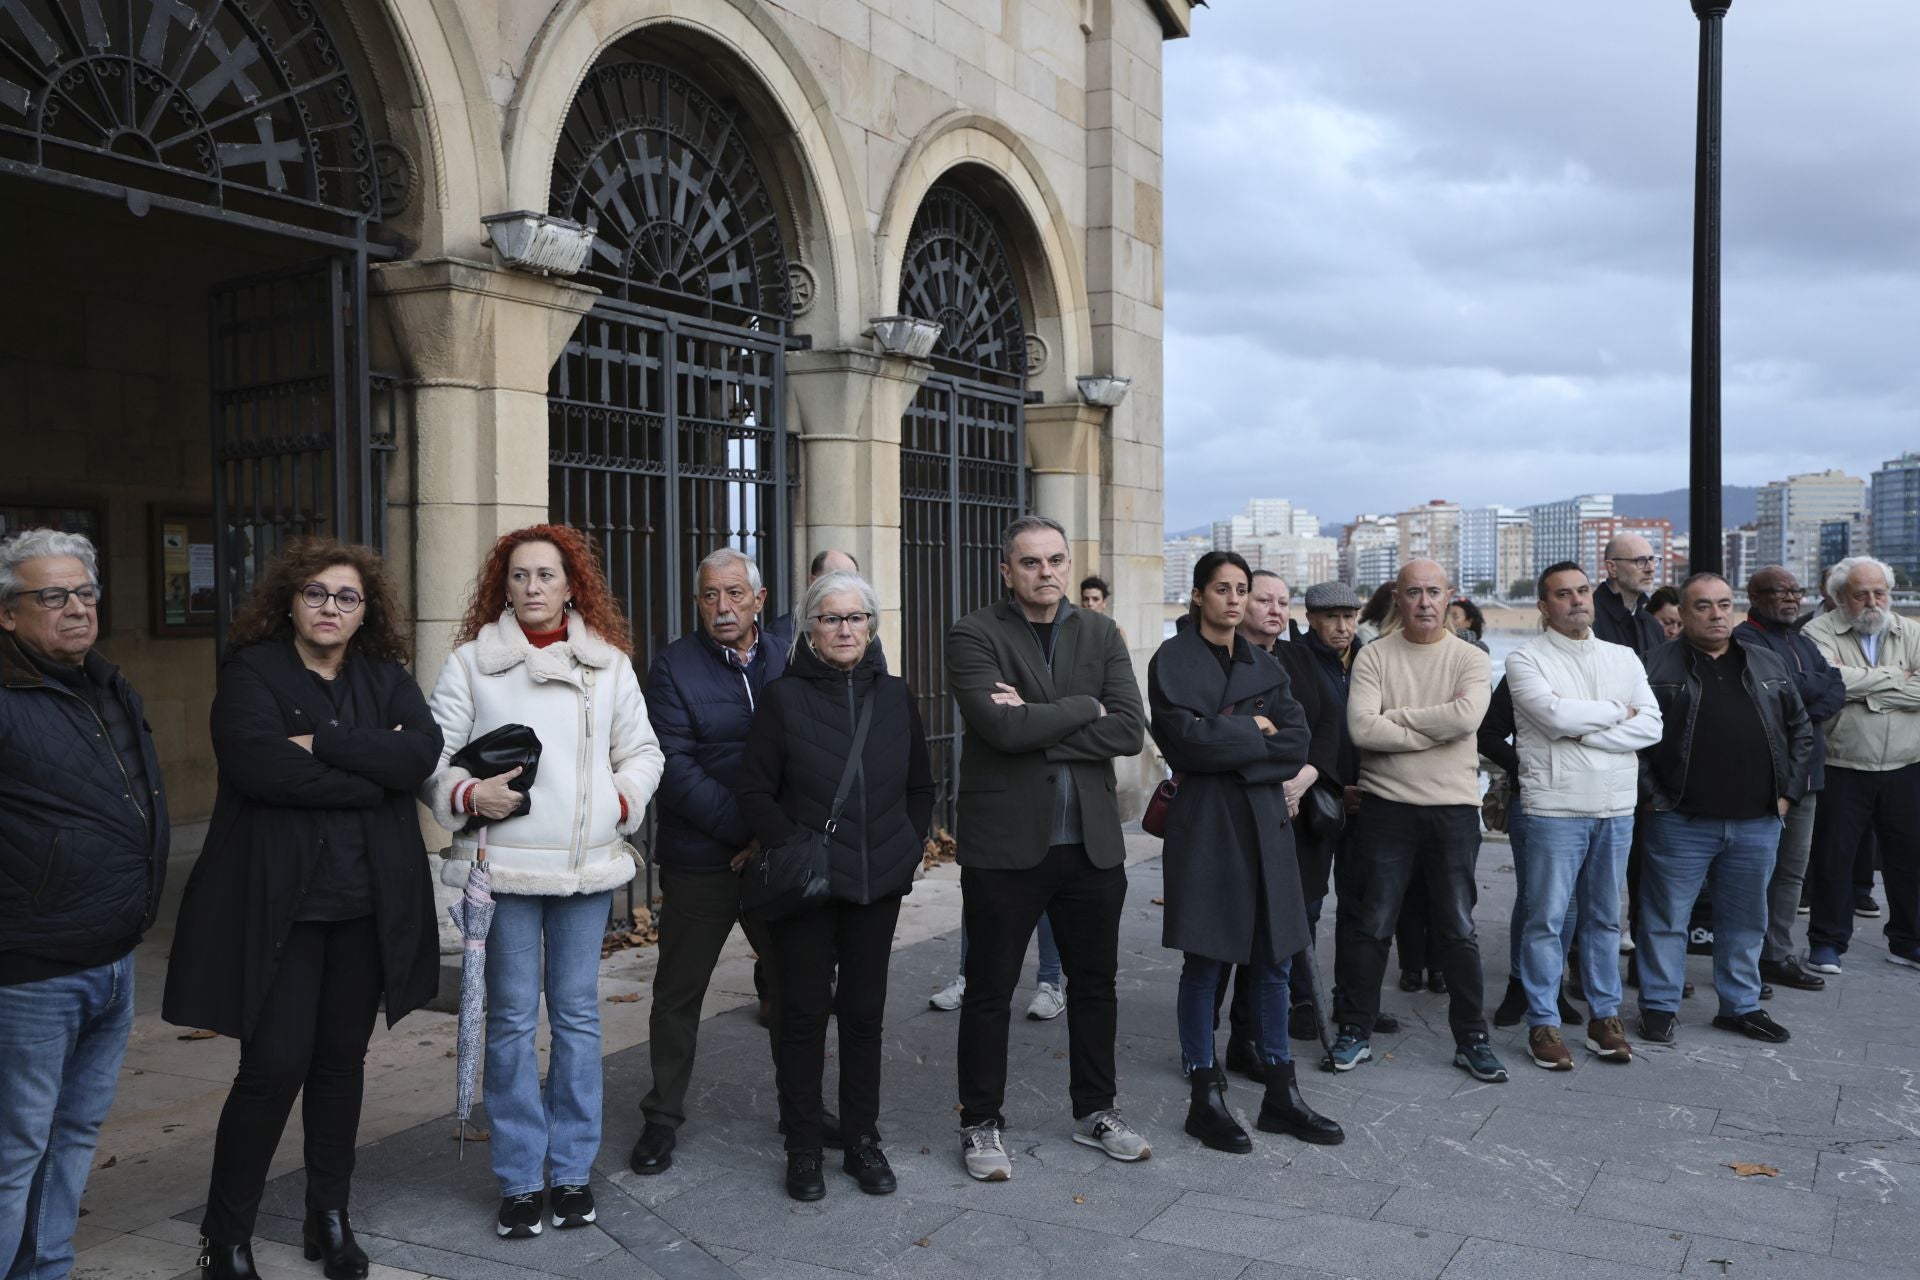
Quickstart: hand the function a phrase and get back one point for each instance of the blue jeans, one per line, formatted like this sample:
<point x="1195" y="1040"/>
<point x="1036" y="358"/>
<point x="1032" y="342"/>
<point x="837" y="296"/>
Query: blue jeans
<point x="1049" y="970"/>
<point x="1564" y="853"/>
<point x="1681" y="853"/>
<point x="1193" y="1008"/>
<point x="61" y="1040"/>
<point x="558" y="1126"/>
<point x="1522" y="859"/>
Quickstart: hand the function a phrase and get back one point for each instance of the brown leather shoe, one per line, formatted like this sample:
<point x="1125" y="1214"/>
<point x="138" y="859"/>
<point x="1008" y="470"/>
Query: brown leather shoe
<point x="1607" y="1038"/>
<point x="1544" y="1047"/>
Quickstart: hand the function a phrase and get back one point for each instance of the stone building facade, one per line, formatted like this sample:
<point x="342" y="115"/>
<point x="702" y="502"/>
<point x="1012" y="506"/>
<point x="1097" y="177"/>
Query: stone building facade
<point x="261" y="298"/>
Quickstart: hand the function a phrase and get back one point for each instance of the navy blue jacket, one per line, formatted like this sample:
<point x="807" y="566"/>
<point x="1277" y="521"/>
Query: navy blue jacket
<point x="1640" y="631"/>
<point x="81" y="860"/>
<point x="701" y="706"/>
<point x="1821" y="687"/>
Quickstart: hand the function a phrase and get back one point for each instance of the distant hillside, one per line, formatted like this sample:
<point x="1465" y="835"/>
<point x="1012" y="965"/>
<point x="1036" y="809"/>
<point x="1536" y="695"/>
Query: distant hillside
<point x="1739" y="505"/>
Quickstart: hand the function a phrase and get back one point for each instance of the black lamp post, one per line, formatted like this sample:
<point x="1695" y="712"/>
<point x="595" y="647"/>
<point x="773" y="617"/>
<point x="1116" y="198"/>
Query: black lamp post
<point x="1703" y="508"/>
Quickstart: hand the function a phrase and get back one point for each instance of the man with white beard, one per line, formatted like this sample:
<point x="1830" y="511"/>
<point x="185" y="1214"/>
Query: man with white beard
<point x="1873" y="764"/>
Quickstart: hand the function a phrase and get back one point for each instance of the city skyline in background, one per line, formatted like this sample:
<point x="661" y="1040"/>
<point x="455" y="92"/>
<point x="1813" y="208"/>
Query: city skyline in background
<point x="1805" y="522"/>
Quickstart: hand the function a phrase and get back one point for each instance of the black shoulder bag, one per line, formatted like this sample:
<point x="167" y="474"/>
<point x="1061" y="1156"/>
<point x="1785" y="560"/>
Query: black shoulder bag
<point x="792" y="875"/>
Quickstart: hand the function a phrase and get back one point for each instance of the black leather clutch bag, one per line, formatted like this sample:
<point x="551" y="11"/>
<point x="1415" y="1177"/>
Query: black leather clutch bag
<point x="511" y="746"/>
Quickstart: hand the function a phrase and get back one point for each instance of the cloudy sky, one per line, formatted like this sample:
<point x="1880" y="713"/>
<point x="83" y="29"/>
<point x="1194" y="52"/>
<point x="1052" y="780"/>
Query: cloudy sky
<point x="1443" y="250"/>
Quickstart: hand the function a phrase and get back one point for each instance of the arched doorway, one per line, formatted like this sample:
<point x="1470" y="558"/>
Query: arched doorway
<point x="963" y="473"/>
<point x="667" y="433"/>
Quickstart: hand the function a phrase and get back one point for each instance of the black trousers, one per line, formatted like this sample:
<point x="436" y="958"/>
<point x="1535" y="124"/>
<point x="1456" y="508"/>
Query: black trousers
<point x="1002" y="909"/>
<point x="1397" y="842"/>
<point x="1854" y="804"/>
<point x="1414" y="934"/>
<point x="806" y="949"/>
<point x="311" y="1042"/>
<point x="698" y="911"/>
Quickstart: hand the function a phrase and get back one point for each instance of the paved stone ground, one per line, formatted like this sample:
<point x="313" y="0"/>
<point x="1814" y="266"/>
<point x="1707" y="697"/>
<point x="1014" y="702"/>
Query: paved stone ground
<point x="1610" y="1171"/>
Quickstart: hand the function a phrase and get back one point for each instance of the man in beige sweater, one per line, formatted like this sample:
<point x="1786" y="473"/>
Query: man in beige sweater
<point x="1416" y="700"/>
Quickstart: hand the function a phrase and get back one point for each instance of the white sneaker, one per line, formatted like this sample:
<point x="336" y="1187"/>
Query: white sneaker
<point x="984" y="1155"/>
<point x="1047" y="1004"/>
<point x="948" y="997"/>
<point x="1626" y="944"/>
<point x="1107" y="1131"/>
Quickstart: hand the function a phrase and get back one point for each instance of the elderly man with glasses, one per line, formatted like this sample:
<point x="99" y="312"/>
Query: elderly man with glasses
<point x="1772" y="617"/>
<point x="1620" y="612"/>
<point x="1873" y="763"/>
<point x="83" y="850"/>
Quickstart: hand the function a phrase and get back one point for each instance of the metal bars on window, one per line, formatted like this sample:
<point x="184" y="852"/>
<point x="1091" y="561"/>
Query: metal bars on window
<point x="303" y="432"/>
<point x="665" y="442"/>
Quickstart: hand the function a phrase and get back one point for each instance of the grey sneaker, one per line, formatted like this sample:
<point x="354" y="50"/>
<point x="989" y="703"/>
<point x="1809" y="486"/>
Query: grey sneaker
<point x="1107" y="1131"/>
<point x="948" y="998"/>
<point x="984" y="1154"/>
<point x="1048" y="1003"/>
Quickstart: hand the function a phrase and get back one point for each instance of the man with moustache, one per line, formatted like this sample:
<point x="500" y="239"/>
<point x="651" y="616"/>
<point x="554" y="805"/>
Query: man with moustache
<point x="701" y="693"/>
<point x="1873" y="764"/>
<point x="1731" y="761"/>
<point x="1414" y="707"/>
<point x="1772" y="615"/>
<point x="1582" y="710"/>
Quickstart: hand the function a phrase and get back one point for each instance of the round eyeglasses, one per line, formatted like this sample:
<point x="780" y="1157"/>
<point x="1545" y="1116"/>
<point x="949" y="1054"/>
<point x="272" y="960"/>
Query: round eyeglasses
<point x="346" y="599"/>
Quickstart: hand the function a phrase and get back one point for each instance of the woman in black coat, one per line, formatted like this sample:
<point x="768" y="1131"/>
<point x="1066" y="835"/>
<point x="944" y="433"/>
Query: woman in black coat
<point x="1226" y="722"/>
<point x="796" y="753"/>
<point x="310" y="903"/>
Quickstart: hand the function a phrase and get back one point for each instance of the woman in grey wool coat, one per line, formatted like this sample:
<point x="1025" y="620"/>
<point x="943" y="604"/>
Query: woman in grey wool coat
<point x="1226" y="722"/>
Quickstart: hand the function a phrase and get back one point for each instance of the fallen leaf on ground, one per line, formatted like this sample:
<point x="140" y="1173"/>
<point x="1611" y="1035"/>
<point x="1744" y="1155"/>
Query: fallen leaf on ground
<point x="629" y="998"/>
<point x="1159" y="902"/>
<point x="473" y="1134"/>
<point x="923" y="1243"/>
<point x="1079" y="1199"/>
<point x="108" y="1163"/>
<point x="451" y="1053"/>
<point x="202" y="1034"/>
<point x="1746" y="1169"/>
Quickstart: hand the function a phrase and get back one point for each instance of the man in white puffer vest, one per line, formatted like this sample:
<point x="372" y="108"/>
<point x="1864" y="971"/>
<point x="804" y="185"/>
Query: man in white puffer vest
<point x="1582" y="708"/>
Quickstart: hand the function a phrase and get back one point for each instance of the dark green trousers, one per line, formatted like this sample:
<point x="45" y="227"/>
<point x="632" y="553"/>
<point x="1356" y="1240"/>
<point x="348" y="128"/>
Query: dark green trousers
<point x="698" y="911"/>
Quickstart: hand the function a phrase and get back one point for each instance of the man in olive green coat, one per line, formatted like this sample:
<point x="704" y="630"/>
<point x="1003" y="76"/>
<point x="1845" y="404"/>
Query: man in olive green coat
<point x="1049" y="698"/>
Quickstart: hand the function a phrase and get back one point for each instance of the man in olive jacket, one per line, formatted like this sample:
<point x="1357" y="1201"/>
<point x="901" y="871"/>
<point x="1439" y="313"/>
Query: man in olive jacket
<point x="1049" y="698"/>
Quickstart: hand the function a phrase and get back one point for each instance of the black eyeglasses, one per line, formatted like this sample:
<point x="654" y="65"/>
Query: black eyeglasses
<point x="833" y="621"/>
<point x="314" y="596"/>
<point x="56" y="597"/>
<point x="1639" y="562"/>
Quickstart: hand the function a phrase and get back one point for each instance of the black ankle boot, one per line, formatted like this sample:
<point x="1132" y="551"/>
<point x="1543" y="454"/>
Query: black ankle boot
<point x="329" y="1235"/>
<point x="1283" y="1110"/>
<point x="1513" y="1005"/>
<point x="1244" y="1058"/>
<point x="1208" y="1118"/>
<point x="226" y="1261"/>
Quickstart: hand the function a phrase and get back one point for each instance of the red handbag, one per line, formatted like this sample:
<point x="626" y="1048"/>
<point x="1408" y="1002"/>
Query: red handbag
<point x="1160" y="803"/>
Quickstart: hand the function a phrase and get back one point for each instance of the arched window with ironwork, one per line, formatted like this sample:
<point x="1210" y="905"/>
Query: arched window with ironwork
<point x="666" y="413"/>
<point x="963" y="473"/>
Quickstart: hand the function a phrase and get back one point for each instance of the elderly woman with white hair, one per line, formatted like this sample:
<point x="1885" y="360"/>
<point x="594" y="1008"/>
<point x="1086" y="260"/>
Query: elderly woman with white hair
<point x="803" y="741"/>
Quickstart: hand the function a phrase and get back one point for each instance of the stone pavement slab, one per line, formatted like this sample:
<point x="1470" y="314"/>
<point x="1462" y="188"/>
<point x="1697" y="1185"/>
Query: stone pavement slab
<point x="1614" y="1171"/>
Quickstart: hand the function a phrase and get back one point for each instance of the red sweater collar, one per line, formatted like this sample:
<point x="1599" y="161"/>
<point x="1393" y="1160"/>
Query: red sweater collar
<point x="541" y="639"/>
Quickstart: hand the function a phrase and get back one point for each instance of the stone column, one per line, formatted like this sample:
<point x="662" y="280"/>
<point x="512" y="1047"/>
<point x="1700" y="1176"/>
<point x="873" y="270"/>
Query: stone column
<point x="845" y="404"/>
<point x="476" y="343"/>
<point x="1063" y="448"/>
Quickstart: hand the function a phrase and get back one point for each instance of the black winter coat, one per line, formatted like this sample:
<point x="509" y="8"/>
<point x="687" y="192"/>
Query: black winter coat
<point x="81" y="863"/>
<point x="1229" y="845"/>
<point x="1640" y="631"/>
<point x="1822" y="690"/>
<point x="797" y="751"/>
<point x="264" y="842"/>
<point x="701" y="705"/>
<point x="1328" y="752"/>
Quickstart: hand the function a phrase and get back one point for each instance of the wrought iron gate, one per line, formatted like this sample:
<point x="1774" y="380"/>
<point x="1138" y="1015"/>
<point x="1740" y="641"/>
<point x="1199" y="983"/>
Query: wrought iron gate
<point x="963" y="452"/>
<point x="664" y="442"/>
<point x="295" y="449"/>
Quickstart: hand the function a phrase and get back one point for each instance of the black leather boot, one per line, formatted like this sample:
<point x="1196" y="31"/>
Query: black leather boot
<point x="1283" y="1110"/>
<point x="1244" y="1058"/>
<point x="1513" y="1005"/>
<point x="1208" y="1118"/>
<point x="227" y="1261"/>
<point x="328" y="1235"/>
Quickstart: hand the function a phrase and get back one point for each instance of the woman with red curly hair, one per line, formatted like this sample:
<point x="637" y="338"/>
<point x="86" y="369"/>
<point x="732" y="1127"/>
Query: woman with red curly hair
<point x="543" y="645"/>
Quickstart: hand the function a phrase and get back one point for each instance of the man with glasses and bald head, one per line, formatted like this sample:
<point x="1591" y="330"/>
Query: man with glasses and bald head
<point x="1620" y="612"/>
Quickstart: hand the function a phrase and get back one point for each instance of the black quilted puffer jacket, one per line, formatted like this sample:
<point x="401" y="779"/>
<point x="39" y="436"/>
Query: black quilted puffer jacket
<point x="81" y="864"/>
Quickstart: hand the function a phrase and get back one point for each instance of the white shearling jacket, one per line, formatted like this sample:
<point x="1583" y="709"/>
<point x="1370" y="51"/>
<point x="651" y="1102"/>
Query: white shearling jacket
<point x="1582" y="709"/>
<point x="580" y="696"/>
